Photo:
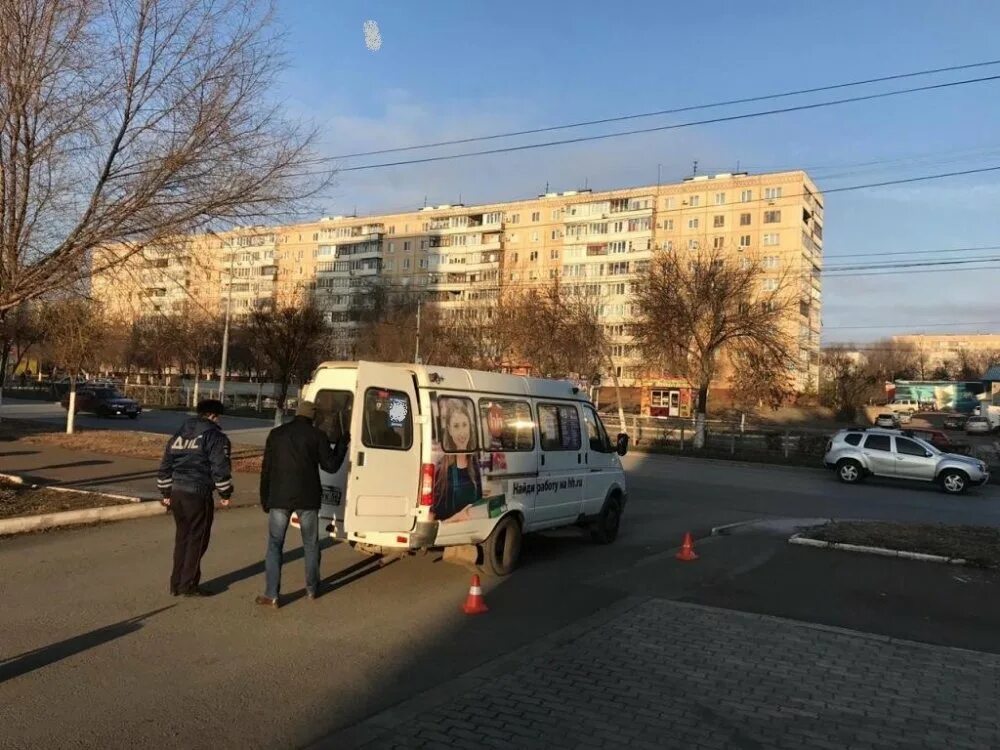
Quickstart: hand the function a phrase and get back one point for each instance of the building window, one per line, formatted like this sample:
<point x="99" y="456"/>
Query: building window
<point x="692" y="244"/>
<point x="771" y="261"/>
<point x="744" y="262"/>
<point x="536" y="216"/>
<point x="392" y="247"/>
<point x="744" y="240"/>
<point x="746" y="196"/>
<point x="772" y="193"/>
<point x="718" y="221"/>
<point x="745" y="220"/>
<point x="406" y="246"/>
<point x="513" y="257"/>
<point x="771" y="239"/>
<point x="670" y="203"/>
<point x="668" y="224"/>
<point x="720" y="199"/>
<point x="772" y="217"/>
<point x="770" y="285"/>
<point x="534" y="236"/>
<point x="719" y="242"/>
<point x="694" y="200"/>
<point x="514" y="218"/>
<point x="693" y="223"/>
<point x="423" y="262"/>
<point x="389" y="265"/>
<point x="553" y="254"/>
<point x="534" y="255"/>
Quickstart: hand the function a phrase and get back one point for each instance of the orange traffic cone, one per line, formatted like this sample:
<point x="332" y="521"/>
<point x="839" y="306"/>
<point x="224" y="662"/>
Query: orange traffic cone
<point x="474" y="603"/>
<point x="687" y="553"/>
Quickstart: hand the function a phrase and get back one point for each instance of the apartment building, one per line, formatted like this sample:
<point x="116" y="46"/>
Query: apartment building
<point x="459" y="257"/>
<point x="942" y="348"/>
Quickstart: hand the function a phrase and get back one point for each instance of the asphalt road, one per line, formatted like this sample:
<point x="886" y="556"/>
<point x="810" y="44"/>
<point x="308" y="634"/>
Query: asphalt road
<point x="240" y="429"/>
<point x="94" y="653"/>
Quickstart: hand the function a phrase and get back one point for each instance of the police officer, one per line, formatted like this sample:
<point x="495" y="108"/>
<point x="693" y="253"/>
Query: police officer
<point x="195" y="462"/>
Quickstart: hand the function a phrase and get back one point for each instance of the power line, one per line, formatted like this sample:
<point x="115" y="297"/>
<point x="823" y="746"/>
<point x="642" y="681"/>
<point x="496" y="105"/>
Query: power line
<point x="905" y="272"/>
<point x="916" y="325"/>
<point x="879" y="253"/>
<point x="675" y="110"/>
<point x="914" y="264"/>
<point x="656" y="129"/>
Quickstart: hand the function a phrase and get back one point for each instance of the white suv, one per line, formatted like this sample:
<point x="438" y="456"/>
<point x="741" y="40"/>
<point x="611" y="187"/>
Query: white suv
<point x="855" y="454"/>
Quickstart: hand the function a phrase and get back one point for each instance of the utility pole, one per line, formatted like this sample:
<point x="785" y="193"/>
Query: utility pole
<point x="416" y="353"/>
<point x="225" y="330"/>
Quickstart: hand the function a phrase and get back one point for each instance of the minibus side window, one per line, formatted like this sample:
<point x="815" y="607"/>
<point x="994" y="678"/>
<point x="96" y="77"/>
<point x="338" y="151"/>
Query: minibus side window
<point x="507" y="425"/>
<point x="559" y="427"/>
<point x="388" y="420"/>
<point x="333" y="413"/>
<point x="596" y="433"/>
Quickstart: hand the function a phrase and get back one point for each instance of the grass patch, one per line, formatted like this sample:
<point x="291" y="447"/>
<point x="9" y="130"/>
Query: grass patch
<point x="147" y="445"/>
<point x="978" y="545"/>
<point x="23" y="500"/>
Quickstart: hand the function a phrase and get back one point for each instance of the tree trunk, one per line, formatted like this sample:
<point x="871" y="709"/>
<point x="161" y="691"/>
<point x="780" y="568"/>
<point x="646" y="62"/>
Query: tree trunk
<point x="196" y="385"/>
<point x="618" y="394"/>
<point x="279" y="407"/>
<point x="71" y="412"/>
<point x="260" y="391"/>
<point x="3" y="371"/>
<point x="699" y="425"/>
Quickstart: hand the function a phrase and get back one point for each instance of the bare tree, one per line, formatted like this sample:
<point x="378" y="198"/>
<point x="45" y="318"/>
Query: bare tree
<point x="893" y="360"/>
<point x="75" y="340"/>
<point x="125" y="124"/>
<point x="292" y="340"/>
<point x="697" y="311"/>
<point x="20" y="331"/>
<point x="846" y="379"/>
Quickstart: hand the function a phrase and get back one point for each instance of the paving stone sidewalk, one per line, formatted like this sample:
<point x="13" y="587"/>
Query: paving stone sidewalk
<point x="664" y="674"/>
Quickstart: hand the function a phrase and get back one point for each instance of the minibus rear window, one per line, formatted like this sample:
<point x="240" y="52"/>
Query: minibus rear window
<point x="388" y="420"/>
<point x="333" y="413"/>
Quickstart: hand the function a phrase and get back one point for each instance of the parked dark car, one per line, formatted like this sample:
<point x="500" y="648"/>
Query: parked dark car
<point x="955" y="421"/>
<point x="939" y="440"/>
<point x="104" y="402"/>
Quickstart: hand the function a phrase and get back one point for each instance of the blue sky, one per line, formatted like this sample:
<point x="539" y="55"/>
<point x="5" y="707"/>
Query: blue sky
<point x="451" y="69"/>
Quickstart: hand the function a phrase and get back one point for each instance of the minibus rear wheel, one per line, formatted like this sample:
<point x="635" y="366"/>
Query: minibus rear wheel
<point x="502" y="549"/>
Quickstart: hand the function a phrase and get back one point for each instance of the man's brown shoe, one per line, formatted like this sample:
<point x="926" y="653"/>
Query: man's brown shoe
<point x="267" y="602"/>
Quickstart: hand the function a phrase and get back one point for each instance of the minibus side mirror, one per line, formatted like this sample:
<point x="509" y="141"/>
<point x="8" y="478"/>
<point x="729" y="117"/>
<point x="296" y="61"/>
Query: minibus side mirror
<point x="621" y="448"/>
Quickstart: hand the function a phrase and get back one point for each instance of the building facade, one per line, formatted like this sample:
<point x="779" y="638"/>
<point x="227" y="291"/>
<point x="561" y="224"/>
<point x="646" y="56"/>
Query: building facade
<point x="942" y="349"/>
<point x="457" y="256"/>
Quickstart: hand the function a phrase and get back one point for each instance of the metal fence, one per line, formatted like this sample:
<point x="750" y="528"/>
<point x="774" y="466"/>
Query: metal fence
<point x="186" y="397"/>
<point x="727" y="439"/>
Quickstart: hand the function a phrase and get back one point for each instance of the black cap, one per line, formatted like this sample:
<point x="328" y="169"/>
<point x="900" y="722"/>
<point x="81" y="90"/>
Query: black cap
<point x="211" y="406"/>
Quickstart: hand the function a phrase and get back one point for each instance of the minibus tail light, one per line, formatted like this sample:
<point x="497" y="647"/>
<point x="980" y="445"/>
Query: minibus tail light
<point x="427" y="485"/>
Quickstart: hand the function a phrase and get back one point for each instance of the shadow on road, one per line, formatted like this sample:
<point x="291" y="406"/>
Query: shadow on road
<point x="22" y="664"/>
<point x="72" y="464"/>
<point x="7" y="454"/>
<point x="223" y="582"/>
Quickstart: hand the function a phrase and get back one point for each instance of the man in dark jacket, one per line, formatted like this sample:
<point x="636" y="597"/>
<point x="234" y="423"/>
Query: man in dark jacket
<point x="289" y="482"/>
<point x="195" y="462"/>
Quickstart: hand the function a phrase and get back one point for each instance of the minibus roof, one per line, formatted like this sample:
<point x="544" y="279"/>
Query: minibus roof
<point x="459" y="379"/>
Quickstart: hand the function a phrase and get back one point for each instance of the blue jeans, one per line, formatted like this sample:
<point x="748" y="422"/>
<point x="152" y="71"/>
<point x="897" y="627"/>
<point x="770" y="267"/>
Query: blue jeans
<point x="277" y="526"/>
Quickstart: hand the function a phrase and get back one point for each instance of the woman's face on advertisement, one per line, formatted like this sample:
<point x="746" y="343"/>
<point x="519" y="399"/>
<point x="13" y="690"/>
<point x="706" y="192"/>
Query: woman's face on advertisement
<point x="460" y="430"/>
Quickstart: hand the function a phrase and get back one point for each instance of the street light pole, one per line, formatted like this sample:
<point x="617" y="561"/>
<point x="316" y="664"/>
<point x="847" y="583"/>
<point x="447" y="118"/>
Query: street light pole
<point x="416" y="353"/>
<point x="225" y="331"/>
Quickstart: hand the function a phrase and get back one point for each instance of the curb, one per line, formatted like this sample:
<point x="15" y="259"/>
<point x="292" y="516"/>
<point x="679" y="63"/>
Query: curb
<point x="74" y="517"/>
<point x="14" y="479"/>
<point x="23" y="524"/>
<point x="883" y="551"/>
